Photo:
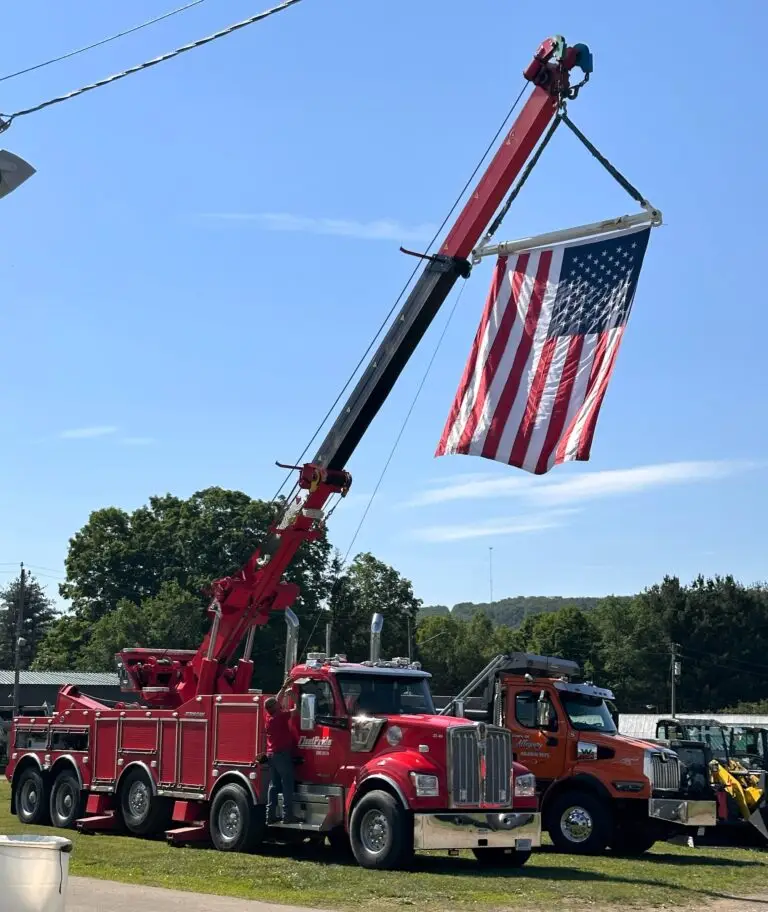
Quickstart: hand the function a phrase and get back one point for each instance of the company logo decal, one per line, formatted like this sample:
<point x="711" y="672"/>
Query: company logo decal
<point x="315" y="743"/>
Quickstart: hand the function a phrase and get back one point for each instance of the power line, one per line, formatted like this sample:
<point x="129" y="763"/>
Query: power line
<point x="9" y="118"/>
<point x="90" y="47"/>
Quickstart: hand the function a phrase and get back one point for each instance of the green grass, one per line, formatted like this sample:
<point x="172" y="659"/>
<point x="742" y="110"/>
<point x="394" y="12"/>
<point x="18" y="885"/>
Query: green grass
<point x="669" y="875"/>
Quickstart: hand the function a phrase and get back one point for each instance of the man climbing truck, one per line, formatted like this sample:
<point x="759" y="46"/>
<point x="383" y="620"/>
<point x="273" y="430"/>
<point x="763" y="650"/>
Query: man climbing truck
<point x="597" y="788"/>
<point x="184" y="757"/>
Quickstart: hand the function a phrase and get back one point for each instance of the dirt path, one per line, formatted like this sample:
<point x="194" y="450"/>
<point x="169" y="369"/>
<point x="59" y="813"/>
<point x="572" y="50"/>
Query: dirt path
<point x="85" y="895"/>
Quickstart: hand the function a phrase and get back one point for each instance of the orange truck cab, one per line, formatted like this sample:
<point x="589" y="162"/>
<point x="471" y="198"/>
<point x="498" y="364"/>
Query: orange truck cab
<point x="598" y="788"/>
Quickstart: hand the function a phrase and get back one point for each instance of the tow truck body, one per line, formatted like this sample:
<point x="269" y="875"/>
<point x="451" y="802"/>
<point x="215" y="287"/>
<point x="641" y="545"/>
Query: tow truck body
<point x="598" y="788"/>
<point x="184" y="758"/>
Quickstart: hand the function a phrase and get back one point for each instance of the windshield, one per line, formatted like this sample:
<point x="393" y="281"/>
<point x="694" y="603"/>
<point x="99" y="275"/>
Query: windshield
<point x="587" y="713"/>
<point x="746" y="741"/>
<point x="385" y="694"/>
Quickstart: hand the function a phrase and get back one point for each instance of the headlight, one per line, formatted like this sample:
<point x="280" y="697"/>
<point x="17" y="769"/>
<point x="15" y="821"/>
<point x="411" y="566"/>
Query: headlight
<point x="426" y="786"/>
<point x="394" y="735"/>
<point x="525" y="786"/>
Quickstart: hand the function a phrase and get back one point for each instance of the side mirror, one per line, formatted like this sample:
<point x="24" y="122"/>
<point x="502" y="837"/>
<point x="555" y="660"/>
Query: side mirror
<point x="307" y="712"/>
<point x="458" y="709"/>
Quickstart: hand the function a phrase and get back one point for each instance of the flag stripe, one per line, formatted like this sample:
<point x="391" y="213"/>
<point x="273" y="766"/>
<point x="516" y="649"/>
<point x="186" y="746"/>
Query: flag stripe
<point x="567" y="378"/>
<point x="578" y="394"/>
<point x="464" y="392"/>
<point x="506" y="400"/>
<point x="495" y="353"/>
<point x="585" y="443"/>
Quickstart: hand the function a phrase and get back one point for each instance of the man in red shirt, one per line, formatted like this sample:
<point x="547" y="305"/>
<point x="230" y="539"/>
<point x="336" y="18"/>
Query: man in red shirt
<point x="280" y="760"/>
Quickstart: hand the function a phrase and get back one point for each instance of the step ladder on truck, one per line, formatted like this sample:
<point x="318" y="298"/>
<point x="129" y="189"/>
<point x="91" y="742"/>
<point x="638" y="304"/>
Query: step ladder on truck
<point x="183" y="757"/>
<point x="598" y="789"/>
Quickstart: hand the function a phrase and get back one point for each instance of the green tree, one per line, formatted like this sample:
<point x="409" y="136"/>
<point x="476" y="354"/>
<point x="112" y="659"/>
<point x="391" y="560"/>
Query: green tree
<point x="568" y="633"/>
<point x="38" y="617"/>
<point x="161" y="559"/>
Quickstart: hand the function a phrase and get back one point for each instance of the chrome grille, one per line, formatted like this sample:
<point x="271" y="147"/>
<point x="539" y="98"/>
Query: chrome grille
<point x="480" y="764"/>
<point x="665" y="772"/>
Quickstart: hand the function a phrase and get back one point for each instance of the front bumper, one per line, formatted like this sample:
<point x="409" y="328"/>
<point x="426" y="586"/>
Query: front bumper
<point x="475" y="829"/>
<point x="683" y="813"/>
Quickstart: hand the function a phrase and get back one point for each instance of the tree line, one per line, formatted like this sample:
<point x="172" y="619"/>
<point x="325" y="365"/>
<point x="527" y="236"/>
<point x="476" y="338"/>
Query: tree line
<point x="140" y="578"/>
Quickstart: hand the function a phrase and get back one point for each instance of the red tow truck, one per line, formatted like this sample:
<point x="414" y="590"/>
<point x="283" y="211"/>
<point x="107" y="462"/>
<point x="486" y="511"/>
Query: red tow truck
<point x="386" y="776"/>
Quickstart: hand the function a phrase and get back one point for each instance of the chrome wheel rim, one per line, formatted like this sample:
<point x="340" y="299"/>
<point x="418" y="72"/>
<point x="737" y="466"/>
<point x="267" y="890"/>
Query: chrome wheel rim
<point x="138" y="799"/>
<point x="64" y="801"/>
<point x="229" y="819"/>
<point x="576" y="824"/>
<point x="29" y="797"/>
<point x="374" y="832"/>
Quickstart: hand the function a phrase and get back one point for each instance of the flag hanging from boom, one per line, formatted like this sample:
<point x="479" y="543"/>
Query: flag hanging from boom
<point x="544" y="352"/>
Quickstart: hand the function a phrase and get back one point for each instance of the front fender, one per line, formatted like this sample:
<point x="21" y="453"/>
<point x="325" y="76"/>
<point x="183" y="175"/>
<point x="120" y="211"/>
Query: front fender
<point x="392" y="771"/>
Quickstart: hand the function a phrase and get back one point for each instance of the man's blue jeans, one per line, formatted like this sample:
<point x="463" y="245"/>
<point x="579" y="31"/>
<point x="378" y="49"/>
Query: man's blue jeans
<point x="281" y="767"/>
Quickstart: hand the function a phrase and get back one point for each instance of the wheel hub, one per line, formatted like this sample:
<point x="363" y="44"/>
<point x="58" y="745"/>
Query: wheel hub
<point x="374" y="832"/>
<point x="229" y="819"/>
<point x="576" y="824"/>
<point x="138" y="799"/>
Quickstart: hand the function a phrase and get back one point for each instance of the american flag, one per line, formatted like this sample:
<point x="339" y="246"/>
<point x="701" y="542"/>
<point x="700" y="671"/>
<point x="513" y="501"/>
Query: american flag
<point x="544" y="352"/>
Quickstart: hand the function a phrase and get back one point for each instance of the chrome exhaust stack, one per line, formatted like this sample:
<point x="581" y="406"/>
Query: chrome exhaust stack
<point x="291" y="640"/>
<point x="377" y="622"/>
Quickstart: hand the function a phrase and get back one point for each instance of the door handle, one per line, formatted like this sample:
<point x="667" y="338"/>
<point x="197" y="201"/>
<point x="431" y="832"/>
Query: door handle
<point x="552" y="742"/>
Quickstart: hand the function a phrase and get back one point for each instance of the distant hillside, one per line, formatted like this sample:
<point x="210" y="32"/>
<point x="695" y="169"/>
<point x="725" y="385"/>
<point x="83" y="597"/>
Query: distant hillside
<point x="511" y="612"/>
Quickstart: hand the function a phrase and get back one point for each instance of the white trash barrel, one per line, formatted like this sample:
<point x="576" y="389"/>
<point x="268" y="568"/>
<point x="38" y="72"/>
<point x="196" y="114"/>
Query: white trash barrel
<point x="33" y="873"/>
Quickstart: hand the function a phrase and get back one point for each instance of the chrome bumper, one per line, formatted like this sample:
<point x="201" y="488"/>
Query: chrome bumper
<point x="473" y="830"/>
<point x="683" y="813"/>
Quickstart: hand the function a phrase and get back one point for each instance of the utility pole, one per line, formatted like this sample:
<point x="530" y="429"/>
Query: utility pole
<point x="675" y="668"/>
<point x="490" y="572"/>
<point x="19" y="642"/>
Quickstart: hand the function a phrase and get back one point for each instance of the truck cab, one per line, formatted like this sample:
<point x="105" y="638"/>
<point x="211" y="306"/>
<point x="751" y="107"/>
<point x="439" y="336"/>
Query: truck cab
<point x="378" y="766"/>
<point x="598" y="788"/>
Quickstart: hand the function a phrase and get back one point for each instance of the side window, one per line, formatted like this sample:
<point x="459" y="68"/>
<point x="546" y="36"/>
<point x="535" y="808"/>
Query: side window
<point x="34" y="739"/>
<point x="324" y="704"/>
<point x="526" y="708"/>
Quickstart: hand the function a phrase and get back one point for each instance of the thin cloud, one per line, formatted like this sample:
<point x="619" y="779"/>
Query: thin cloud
<point x="584" y="487"/>
<point x="377" y="230"/>
<point x="492" y="527"/>
<point x="83" y="433"/>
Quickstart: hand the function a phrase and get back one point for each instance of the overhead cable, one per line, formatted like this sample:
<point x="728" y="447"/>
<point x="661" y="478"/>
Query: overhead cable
<point x="7" y="119"/>
<point x="90" y="47"/>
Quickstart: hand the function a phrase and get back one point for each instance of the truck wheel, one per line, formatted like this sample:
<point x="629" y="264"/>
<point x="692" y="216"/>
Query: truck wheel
<point x="237" y="825"/>
<point x="501" y="858"/>
<point x="380" y="832"/>
<point x="579" y="822"/>
<point x="66" y="804"/>
<point x="31" y="797"/>
<point x="143" y="813"/>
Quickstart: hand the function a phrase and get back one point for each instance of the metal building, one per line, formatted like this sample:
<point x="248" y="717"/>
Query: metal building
<point x="37" y="688"/>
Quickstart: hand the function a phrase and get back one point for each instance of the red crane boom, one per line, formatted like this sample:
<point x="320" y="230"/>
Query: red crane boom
<point x="243" y="602"/>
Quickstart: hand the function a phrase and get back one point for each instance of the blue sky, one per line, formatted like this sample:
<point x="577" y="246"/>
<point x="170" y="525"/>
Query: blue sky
<point x="207" y="247"/>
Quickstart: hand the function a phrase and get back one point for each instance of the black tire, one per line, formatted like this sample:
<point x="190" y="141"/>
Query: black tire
<point x="631" y="844"/>
<point x="67" y="800"/>
<point x="381" y="832"/>
<point x="31" y="797"/>
<point x="501" y="858"/>
<point x="142" y="813"/>
<point x="580" y="823"/>
<point x="237" y="825"/>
